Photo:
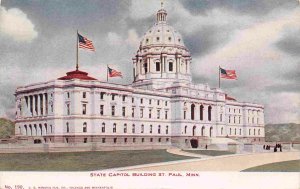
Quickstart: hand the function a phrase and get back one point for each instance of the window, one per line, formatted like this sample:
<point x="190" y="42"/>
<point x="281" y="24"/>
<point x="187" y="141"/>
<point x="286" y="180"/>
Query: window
<point x="240" y="131"/>
<point x="229" y="119"/>
<point x="133" y="128"/>
<point x="157" y="66"/>
<point x="233" y="119"/>
<point x="125" y="128"/>
<point x="150" y="101"/>
<point x="159" y="139"/>
<point x="142" y="129"/>
<point x="209" y="113"/>
<point x="222" y="129"/>
<point x="230" y="131"/>
<point x="85" y="140"/>
<point x="143" y="140"/>
<point x="258" y="131"/>
<point x="239" y="120"/>
<point x="170" y="66"/>
<point x="84" y="128"/>
<point x="133" y="140"/>
<point x="114" y="128"/>
<point x="132" y="113"/>
<point x="166" y="114"/>
<point x="249" y="131"/>
<point x="113" y="110"/>
<point x="235" y="131"/>
<point x="101" y="109"/>
<point x="158" y="114"/>
<point x="132" y="100"/>
<point x="141" y="112"/>
<point x="221" y="117"/>
<point x="184" y="114"/>
<point x="124" y="98"/>
<point x="254" y="132"/>
<point x="68" y="109"/>
<point x="141" y="101"/>
<point x="145" y="67"/>
<point x="147" y="40"/>
<point x="115" y="140"/>
<point x="67" y="140"/>
<point x="84" y="109"/>
<point x="201" y="112"/>
<point x="151" y="128"/>
<point x="123" y="111"/>
<point x="151" y="139"/>
<point x="158" y="101"/>
<point x="158" y="130"/>
<point x="68" y="129"/>
<point x="84" y="95"/>
<point x="125" y="140"/>
<point x="157" y="38"/>
<point x="229" y="109"/>
<point x="68" y="95"/>
<point x="166" y="103"/>
<point x="150" y="113"/>
<point x="103" y="128"/>
<point x="192" y="111"/>
<point x="103" y="140"/>
<point x="113" y="97"/>
<point x="102" y="95"/>
<point x="167" y="129"/>
<point x="239" y="111"/>
<point x="185" y="129"/>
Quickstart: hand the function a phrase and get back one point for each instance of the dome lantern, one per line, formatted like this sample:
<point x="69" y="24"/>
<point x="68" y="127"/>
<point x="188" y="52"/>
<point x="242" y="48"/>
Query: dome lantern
<point x="161" y="14"/>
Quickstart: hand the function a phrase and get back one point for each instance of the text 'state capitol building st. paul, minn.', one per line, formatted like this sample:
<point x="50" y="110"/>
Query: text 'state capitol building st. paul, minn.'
<point x="162" y="107"/>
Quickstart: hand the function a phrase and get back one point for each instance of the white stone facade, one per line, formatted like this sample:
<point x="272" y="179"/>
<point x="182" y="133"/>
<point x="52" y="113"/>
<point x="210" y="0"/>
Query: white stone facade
<point x="161" y="107"/>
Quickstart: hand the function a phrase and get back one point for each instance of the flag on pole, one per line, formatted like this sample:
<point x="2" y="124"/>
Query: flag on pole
<point x="114" y="73"/>
<point x="228" y="74"/>
<point x="85" y="43"/>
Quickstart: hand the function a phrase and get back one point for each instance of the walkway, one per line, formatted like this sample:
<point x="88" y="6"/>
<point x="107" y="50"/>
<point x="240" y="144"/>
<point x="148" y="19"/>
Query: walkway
<point x="178" y="151"/>
<point x="221" y="163"/>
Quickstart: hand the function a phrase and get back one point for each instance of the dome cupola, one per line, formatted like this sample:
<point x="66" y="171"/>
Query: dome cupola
<point x="162" y="57"/>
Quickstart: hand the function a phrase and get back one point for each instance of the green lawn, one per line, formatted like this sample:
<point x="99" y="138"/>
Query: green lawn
<point x="82" y="161"/>
<point x="285" y="166"/>
<point x="209" y="152"/>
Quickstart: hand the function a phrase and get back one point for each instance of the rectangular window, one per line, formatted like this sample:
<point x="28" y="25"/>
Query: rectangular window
<point x="133" y="140"/>
<point x="103" y="140"/>
<point x="113" y="110"/>
<point x="132" y="100"/>
<point x="84" y="95"/>
<point x="132" y="113"/>
<point x="102" y="95"/>
<point x="158" y="101"/>
<point x="151" y="139"/>
<point x="151" y="128"/>
<point x="166" y="103"/>
<point x="101" y="109"/>
<point x="141" y="113"/>
<point x="141" y="101"/>
<point x="84" y="109"/>
<point x="150" y="101"/>
<point x="68" y="109"/>
<point x="85" y="140"/>
<point x="124" y="98"/>
<point x="158" y="114"/>
<point x="113" y="97"/>
<point x="150" y="113"/>
<point x="157" y="66"/>
<point x="221" y="117"/>
<point x="123" y="111"/>
<point x="115" y="140"/>
<point x="184" y="114"/>
<point x="166" y="114"/>
<point x="170" y="66"/>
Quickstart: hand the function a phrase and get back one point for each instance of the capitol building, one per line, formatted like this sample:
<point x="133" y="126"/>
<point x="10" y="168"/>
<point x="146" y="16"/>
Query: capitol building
<point x="162" y="107"/>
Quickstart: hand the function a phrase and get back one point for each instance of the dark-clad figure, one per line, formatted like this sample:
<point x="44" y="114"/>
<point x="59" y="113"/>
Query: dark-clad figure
<point x="275" y="148"/>
<point x="264" y="147"/>
<point x="206" y="146"/>
<point x="280" y="146"/>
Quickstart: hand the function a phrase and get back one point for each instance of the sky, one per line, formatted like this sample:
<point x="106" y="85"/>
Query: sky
<point x="260" y="39"/>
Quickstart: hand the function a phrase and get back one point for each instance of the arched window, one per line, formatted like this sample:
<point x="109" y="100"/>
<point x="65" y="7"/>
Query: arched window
<point x="84" y="128"/>
<point x="158" y="130"/>
<point x="210" y="132"/>
<point x="114" y="128"/>
<point x="209" y="113"/>
<point x="133" y="128"/>
<point x="194" y="130"/>
<point x="41" y="129"/>
<point x="25" y="126"/>
<point x="67" y="127"/>
<point x="46" y="128"/>
<point x="142" y="129"/>
<point x="170" y="66"/>
<point x="167" y="129"/>
<point x="201" y="112"/>
<point x="192" y="111"/>
<point x="157" y="66"/>
<point x="125" y="128"/>
<point x="185" y="129"/>
<point x="103" y="128"/>
<point x="203" y="131"/>
<point x="35" y="130"/>
<point x="30" y="128"/>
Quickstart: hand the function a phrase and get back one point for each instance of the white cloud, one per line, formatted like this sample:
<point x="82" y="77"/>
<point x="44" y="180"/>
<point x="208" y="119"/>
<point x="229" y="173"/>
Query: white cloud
<point x="15" y="24"/>
<point x="143" y="9"/>
<point x="113" y="39"/>
<point x="133" y="38"/>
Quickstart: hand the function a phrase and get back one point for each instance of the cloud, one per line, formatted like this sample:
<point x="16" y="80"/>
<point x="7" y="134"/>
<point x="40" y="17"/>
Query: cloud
<point x="15" y="24"/>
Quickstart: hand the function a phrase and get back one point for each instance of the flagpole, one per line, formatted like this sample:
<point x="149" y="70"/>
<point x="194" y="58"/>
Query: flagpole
<point x="219" y="79"/>
<point x="77" y="65"/>
<point x="107" y="73"/>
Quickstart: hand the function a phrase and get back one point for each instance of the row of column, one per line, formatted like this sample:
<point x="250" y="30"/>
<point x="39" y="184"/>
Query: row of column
<point x="37" y="105"/>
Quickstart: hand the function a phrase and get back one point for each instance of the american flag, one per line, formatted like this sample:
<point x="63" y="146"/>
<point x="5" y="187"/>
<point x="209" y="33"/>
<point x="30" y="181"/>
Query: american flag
<point x="114" y="73"/>
<point x="84" y="43"/>
<point x="228" y="74"/>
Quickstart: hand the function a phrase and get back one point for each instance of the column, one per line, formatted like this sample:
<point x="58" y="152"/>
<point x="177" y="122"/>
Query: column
<point x="46" y="104"/>
<point x="148" y="62"/>
<point x="30" y="105"/>
<point x="38" y="105"/>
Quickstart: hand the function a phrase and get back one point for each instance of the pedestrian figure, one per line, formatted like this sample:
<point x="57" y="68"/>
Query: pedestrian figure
<point x="280" y="148"/>
<point x="264" y="147"/>
<point x="206" y="146"/>
<point x="275" y="149"/>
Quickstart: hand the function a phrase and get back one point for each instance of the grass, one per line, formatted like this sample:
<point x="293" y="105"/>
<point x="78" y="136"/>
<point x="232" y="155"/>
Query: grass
<point x="209" y="152"/>
<point x="285" y="166"/>
<point x="82" y="161"/>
